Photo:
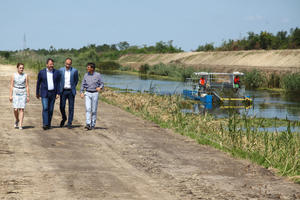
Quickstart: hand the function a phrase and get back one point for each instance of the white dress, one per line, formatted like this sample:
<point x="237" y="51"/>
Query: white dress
<point x="19" y="91"/>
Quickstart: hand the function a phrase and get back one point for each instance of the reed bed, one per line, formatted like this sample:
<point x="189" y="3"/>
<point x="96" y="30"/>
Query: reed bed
<point x="241" y="136"/>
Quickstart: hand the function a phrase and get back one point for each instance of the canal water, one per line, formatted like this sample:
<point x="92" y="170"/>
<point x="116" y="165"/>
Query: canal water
<point x="266" y="104"/>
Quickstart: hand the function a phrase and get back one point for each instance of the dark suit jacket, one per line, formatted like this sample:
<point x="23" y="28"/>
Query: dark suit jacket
<point x="42" y="84"/>
<point x="73" y="79"/>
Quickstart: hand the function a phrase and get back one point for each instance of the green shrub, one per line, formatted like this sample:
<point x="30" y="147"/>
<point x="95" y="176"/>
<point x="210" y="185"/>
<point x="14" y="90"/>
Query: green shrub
<point x="89" y="56"/>
<point x="159" y="69"/>
<point x="274" y="81"/>
<point x="187" y="73"/>
<point x="291" y="82"/>
<point x="5" y="54"/>
<point x="126" y="68"/>
<point x="144" y="68"/>
<point x="174" y="71"/>
<point x="108" y="65"/>
<point x="254" y="79"/>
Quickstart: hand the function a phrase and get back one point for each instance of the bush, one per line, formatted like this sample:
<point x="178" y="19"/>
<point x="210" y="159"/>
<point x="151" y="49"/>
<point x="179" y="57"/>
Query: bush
<point x="144" y="68"/>
<point x="206" y="47"/>
<point x="108" y="65"/>
<point x="160" y="69"/>
<point x="177" y="72"/>
<point x="5" y="54"/>
<point x="187" y="73"/>
<point x="291" y="82"/>
<point x="274" y="81"/>
<point x="126" y="68"/>
<point x="254" y="79"/>
<point x="89" y="56"/>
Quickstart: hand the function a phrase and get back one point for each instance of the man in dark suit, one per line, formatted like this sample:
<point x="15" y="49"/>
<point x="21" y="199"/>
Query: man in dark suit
<point x="67" y="89"/>
<point x="47" y="87"/>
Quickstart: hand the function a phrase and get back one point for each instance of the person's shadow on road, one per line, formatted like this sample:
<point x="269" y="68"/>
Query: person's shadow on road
<point x="28" y="127"/>
<point x="100" y="128"/>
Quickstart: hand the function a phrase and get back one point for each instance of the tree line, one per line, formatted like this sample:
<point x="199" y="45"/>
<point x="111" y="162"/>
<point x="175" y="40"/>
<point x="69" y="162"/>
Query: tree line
<point x="254" y="41"/>
<point x="264" y="40"/>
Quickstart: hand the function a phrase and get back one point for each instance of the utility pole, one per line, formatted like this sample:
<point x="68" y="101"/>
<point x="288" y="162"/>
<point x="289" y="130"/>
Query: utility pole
<point x="24" y="46"/>
<point x="24" y="42"/>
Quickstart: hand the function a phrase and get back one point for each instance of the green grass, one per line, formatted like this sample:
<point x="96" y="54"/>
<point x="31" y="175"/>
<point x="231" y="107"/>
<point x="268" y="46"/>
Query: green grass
<point x="238" y="135"/>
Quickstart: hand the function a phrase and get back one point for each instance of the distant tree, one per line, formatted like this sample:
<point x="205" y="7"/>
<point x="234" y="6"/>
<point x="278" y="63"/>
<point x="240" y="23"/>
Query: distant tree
<point x="91" y="46"/>
<point x="282" y="40"/>
<point x="253" y="41"/>
<point x="113" y="47"/>
<point x="89" y="55"/>
<point x="161" y="47"/>
<point x="295" y="38"/>
<point x="265" y="40"/>
<point x="123" y="45"/>
<point x="206" y="47"/>
<point x="105" y="48"/>
<point x="166" y="47"/>
<point x="52" y="50"/>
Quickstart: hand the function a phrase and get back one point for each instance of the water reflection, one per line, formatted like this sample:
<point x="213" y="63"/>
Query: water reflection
<point x="265" y="104"/>
<point x="125" y="81"/>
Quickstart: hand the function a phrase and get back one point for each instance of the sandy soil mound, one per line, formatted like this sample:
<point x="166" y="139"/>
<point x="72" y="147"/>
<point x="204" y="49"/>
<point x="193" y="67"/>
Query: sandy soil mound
<point x="271" y="60"/>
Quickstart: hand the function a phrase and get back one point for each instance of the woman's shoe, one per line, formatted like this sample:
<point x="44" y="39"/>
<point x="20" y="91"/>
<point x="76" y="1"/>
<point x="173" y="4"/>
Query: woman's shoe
<point x="20" y="127"/>
<point x="16" y="124"/>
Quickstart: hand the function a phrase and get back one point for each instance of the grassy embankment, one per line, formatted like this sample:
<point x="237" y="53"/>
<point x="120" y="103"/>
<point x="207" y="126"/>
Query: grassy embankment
<point x="272" y="70"/>
<point x="238" y="135"/>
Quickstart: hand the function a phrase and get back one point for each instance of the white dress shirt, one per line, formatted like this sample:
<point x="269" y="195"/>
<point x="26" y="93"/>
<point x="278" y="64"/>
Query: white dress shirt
<point x="67" y="79"/>
<point x="50" y="80"/>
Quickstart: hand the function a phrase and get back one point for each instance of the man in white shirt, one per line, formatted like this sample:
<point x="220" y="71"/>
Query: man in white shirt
<point x="47" y="87"/>
<point x="68" y="83"/>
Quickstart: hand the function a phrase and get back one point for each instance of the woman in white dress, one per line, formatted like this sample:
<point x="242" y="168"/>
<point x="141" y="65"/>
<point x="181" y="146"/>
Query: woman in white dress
<point x="19" y="94"/>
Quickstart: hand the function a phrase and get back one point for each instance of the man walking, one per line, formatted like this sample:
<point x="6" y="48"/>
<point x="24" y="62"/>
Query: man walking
<point x="67" y="89"/>
<point x="47" y="87"/>
<point x="90" y="87"/>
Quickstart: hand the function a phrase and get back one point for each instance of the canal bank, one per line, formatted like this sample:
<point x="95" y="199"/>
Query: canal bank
<point x="241" y="136"/>
<point x="285" y="61"/>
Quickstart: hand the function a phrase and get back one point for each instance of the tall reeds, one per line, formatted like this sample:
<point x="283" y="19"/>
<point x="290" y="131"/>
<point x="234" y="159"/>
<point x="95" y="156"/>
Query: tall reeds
<point x="242" y="136"/>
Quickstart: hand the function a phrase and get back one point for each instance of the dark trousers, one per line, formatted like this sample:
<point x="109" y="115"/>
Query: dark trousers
<point x="67" y="95"/>
<point x="48" y="107"/>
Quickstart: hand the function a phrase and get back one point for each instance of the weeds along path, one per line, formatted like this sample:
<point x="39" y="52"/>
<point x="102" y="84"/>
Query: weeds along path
<point x="124" y="158"/>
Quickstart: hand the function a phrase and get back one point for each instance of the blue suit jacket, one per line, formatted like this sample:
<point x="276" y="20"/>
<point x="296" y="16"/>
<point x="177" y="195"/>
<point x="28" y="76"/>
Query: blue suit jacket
<point x="73" y="79"/>
<point x="42" y="85"/>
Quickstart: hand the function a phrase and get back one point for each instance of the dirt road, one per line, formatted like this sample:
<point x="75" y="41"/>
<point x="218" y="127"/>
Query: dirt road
<point x="124" y="158"/>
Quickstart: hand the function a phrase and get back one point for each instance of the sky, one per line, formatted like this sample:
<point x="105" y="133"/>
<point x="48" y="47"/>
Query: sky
<point x="189" y="23"/>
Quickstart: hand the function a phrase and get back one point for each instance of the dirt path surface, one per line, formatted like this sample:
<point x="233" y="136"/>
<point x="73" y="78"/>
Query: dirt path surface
<point x="124" y="158"/>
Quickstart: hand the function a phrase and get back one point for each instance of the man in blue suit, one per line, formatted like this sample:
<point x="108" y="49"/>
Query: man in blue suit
<point x="47" y="87"/>
<point x="67" y="89"/>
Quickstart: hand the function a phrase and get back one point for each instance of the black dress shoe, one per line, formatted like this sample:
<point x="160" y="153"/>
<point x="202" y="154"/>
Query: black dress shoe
<point x="45" y="127"/>
<point x="88" y="127"/>
<point x="62" y="123"/>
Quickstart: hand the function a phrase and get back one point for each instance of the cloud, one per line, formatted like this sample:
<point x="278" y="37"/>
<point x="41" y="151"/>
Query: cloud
<point x="254" y="18"/>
